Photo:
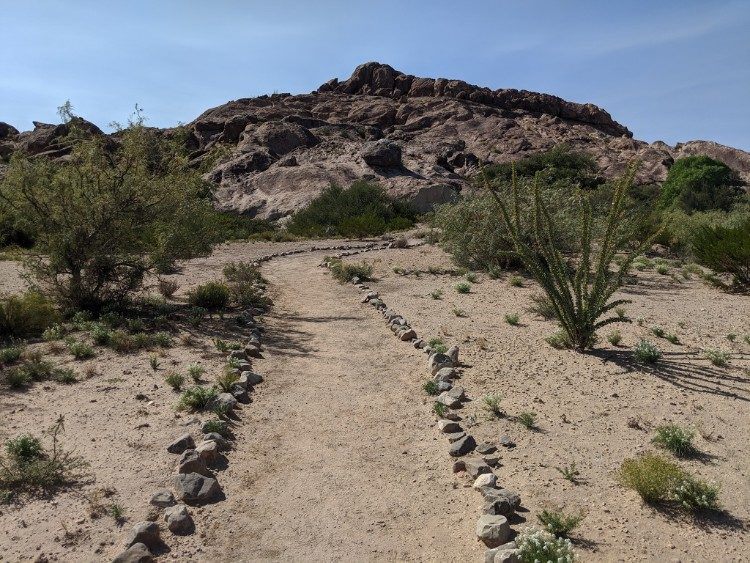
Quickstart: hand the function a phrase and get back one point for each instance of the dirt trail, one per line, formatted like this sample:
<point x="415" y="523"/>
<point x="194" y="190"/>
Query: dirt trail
<point x="336" y="457"/>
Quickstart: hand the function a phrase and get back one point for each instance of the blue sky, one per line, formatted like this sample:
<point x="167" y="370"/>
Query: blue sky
<point x="670" y="70"/>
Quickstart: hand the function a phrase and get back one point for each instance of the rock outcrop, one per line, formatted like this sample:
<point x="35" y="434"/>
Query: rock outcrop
<point x="420" y="138"/>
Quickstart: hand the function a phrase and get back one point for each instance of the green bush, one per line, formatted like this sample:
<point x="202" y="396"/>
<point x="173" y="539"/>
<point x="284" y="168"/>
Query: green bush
<point x="696" y="495"/>
<point x="218" y="426"/>
<point x="676" y="439"/>
<point x="174" y="380"/>
<point x="362" y="210"/>
<point x="81" y="350"/>
<point x="536" y="546"/>
<point x="212" y="296"/>
<point x="26" y="315"/>
<point x="726" y="250"/>
<point x="246" y="285"/>
<point x="11" y="354"/>
<point x="109" y="213"/>
<point x="196" y="398"/>
<point x="557" y="523"/>
<point x="651" y="476"/>
<point x="346" y="272"/>
<point x="700" y="183"/>
<point x="463" y="287"/>
<point x="646" y="353"/>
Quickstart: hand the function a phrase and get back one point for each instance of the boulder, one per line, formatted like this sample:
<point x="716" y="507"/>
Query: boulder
<point x="493" y="530"/>
<point x="207" y="451"/>
<point x="485" y="480"/>
<point x="407" y="334"/>
<point x="462" y="447"/>
<point x="383" y="153"/>
<point x="162" y="499"/>
<point x="181" y="444"/>
<point x="178" y="520"/>
<point x="146" y="533"/>
<point x="436" y="362"/>
<point x="136" y="553"/>
<point x="448" y="400"/>
<point x="224" y="401"/>
<point x="448" y="426"/>
<point x="193" y="488"/>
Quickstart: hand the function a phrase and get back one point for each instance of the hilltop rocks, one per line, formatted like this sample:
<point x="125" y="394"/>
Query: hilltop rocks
<point x="382" y="153"/>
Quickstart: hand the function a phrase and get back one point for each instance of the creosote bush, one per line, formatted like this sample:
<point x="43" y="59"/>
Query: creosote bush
<point x="726" y="250"/>
<point x="719" y="358"/>
<point x="212" y="296"/>
<point x="582" y="294"/>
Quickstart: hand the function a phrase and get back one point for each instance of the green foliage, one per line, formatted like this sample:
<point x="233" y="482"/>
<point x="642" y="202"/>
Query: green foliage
<point x="174" y="380"/>
<point x="439" y="409"/>
<point x="726" y="250"/>
<point x="515" y="281"/>
<point x="64" y="375"/>
<point x="195" y="371"/>
<point x="226" y="380"/>
<point x="463" y="287"/>
<point x="492" y="404"/>
<point x="196" y="315"/>
<point x="100" y="334"/>
<point x="614" y="337"/>
<point x="527" y="419"/>
<point x="212" y="295"/>
<point x="557" y="522"/>
<point x="646" y="353"/>
<point x="54" y="332"/>
<point x="700" y="183"/>
<point x="657" y="331"/>
<point x="719" y="358"/>
<point x="28" y="468"/>
<point x="196" y="398"/>
<point x="570" y="472"/>
<point x="559" y="339"/>
<point x="11" y="354"/>
<point x="26" y="315"/>
<point x="651" y="476"/>
<point x="81" y="350"/>
<point x="431" y="387"/>
<point x="579" y="295"/>
<point x="437" y="345"/>
<point x="696" y="495"/>
<point x="109" y="213"/>
<point x="362" y="210"/>
<point x="536" y="546"/>
<point x="437" y="294"/>
<point x="16" y="378"/>
<point x="559" y="165"/>
<point x="676" y="439"/>
<point x="345" y="272"/>
<point x="246" y="285"/>
<point x="471" y="277"/>
<point x="512" y="319"/>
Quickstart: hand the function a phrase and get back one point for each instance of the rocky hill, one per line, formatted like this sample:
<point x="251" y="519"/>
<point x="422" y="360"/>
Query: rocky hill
<point x="421" y="138"/>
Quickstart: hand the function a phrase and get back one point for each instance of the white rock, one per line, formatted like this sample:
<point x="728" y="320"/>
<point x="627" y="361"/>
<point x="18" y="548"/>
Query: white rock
<point x="485" y="480"/>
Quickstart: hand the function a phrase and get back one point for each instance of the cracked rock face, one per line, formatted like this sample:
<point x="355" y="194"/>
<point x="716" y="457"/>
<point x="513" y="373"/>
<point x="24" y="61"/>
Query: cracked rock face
<point x="420" y="138"/>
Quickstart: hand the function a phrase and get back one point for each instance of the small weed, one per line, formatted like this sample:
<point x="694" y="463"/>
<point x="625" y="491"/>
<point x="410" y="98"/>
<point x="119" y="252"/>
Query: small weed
<point x="559" y="340"/>
<point x="471" y="277"/>
<point x="195" y="371"/>
<point x="540" y="545"/>
<point x="614" y="338"/>
<point x="463" y="287"/>
<point x="226" y="380"/>
<point x="731" y="337"/>
<point x="437" y="345"/>
<point x="196" y="398"/>
<point x="515" y="281"/>
<point x="512" y="319"/>
<point x="439" y="409"/>
<point x="65" y="376"/>
<point x="175" y="380"/>
<point x="431" y="387"/>
<point x="167" y="287"/>
<point x="646" y="353"/>
<point x="557" y="523"/>
<point x="459" y="312"/>
<point x="494" y="272"/>
<point x="196" y="315"/>
<point x="570" y="472"/>
<point x="218" y="426"/>
<point x="162" y="339"/>
<point x="672" y="337"/>
<point x="81" y="350"/>
<point x="719" y="358"/>
<point x="696" y="495"/>
<point x="16" y="378"/>
<point x="658" y="331"/>
<point x="54" y="332"/>
<point x="527" y="419"/>
<point x="153" y="361"/>
<point x="492" y="404"/>
<point x="543" y="307"/>
<point x="437" y="294"/>
<point x="676" y="439"/>
<point x="662" y="269"/>
<point x="117" y="512"/>
<point x="620" y="312"/>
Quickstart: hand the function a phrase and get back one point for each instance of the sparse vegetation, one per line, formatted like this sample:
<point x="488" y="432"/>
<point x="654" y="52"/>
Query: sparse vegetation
<point x="646" y="352"/>
<point x="437" y="294"/>
<point x="81" y="350"/>
<point x="212" y="296"/>
<point x="542" y="306"/>
<point x="676" y="439"/>
<point x="512" y="319"/>
<point x="559" y="339"/>
<point x="527" y="419"/>
<point x="168" y="287"/>
<point x="719" y="358"/>
<point x="557" y="522"/>
<point x="492" y="404"/>
<point x="431" y="387"/>
<point x="196" y="398"/>
<point x="651" y="476"/>
<point x="439" y="409"/>
<point x="614" y="337"/>
<point x="463" y="287"/>
<point x="344" y="272"/>
<point x="226" y="380"/>
<point x="26" y="315"/>
<point x="195" y="371"/>
<point x="175" y="380"/>
<point x="437" y="345"/>
<point x="515" y="281"/>
<point x="569" y="472"/>
<point x="246" y="285"/>
<point x="218" y="426"/>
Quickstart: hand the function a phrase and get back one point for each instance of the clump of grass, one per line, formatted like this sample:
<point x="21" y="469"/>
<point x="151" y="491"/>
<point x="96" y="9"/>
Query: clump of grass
<point x="196" y="398"/>
<point x="11" y="354"/>
<point x="459" y="312"/>
<point x="439" y="409"/>
<point x="515" y="281"/>
<point x="81" y="350"/>
<point x="620" y="312"/>
<point x="29" y="468"/>
<point x="492" y="404"/>
<point x="437" y="345"/>
<point x="494" y="272"/>
<point x="431" y="387"/>
<point x="471" y="277"/>
<point x="175" y="380"/>
<point x="676" y="439"/>
<point x="195" y="371"/>
<point x="512" y="319"/>
<point x="539" y="545"/>
<point x="346" y="272"/>
<point x="100" y="334"/>
<point x="117" y="512"/>
<point x="162" y="339"/>
<point x="614" y="338"/>
<point x="65" y="375"/>
<point x="196" y="315"/>
<point x="153" y="361"/>
<point x="463" y="287"/>
<point x="719" y="358"/>
<point x="218" y="426"/>
<point x="731" y="337"/>
<point x="559" y="340"/>
<point x="543" y="307"/>
<point x="557" y="522"/>
<point x="569" y="472"/>
<point x="226" y="380"/>
<point x="646" y="353"/>
<point x="672" y="337"/>
<point x="437" y="294"/>
<point x="658" y="331"/>
<point x="527" y="419"/>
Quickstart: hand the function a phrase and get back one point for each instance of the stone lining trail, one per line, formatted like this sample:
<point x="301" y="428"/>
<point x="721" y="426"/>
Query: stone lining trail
<point x="336" y="457"/>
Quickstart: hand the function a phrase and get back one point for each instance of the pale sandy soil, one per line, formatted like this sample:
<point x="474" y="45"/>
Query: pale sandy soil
<point x="337" y="457"/>
<point x="583" y="402"/>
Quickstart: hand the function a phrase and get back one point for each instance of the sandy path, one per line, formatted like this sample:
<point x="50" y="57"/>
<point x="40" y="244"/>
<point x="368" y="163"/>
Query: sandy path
<point x="336" y="458"/>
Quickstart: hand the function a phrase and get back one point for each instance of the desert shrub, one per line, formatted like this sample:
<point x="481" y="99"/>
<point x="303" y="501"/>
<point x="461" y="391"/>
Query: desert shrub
<point x="246" y="285"/>
<point x="512" y="319"/>
<point x="109" y="213"/>
<point x="11" y="354"/>
<point x="226" y="380"/>
<point x="81" y="350"/>
<point x="537" y="545"/>
<point x="196" y="398"/>
<point x="463" y="287"/>
<point x="218" y="426"/>
<point x="651" y="476"/>
<point x="211" y="295"/>
<point x="726" y="250"/>
<point x="672" y="338"/>
<point x="676" y="439"/>
<point x="363" y="209"/>
<point x="559" y="165"/>
<point x="719" y="358"/>
<point x="700" y="183"/>
<point x="54" y="332"/>
<point x="580" y="295"/>
<point x="431" y="387"/>
<point x="64" y="375"/>
<point x="36" y="368"/>
<point x="492" y="404"/>
<point x="29" y="468"/>
<point x="174" y="380"/>
<point x="345" y="272"/>
<point x="437" y="345"/>
<point x="527" y="419"/>
<point x="646" y="353"/>
<point x="696" y="495"/>
<point x="100" y="334"/>
<point x="15" y="378"/>
<point x="515" y="281"/>
<point x="196" y="315"/>
<point x="195" y="371"/>
<point x="439" y="409"/>
<point x="559" y="339"/>
<point x="557" y="522"/>
<point x="657" y="331"/>
<point x="26" y="315"/>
